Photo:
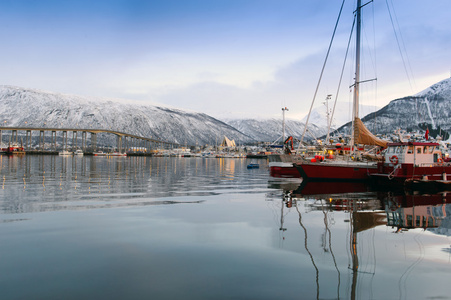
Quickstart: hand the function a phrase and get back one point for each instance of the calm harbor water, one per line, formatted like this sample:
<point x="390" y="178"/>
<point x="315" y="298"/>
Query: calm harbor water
<point x="205" y="228"/>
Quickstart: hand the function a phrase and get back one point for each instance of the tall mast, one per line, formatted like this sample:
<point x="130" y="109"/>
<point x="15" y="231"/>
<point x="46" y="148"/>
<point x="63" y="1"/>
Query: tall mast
<point x="357" y="63"/>
<point x="357" y="70"/>
<point x="329" y="121"/>
<point x="283" y="123"/>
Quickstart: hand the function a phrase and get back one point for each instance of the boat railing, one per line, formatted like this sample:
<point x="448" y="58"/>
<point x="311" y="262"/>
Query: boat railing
<point x="434" y="164"/>
<point x="391" y="174"/>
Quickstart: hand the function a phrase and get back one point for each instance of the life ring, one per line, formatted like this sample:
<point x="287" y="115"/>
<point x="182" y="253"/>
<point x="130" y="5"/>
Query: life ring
<point x="394" y="160"/>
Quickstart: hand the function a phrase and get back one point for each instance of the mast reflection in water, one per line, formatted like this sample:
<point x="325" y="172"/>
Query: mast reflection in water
<point x="407" y="221"/>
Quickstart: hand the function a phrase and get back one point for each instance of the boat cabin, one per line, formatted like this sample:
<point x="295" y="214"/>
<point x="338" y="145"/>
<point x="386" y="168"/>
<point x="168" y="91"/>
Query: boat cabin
<point x="416" y="153"/>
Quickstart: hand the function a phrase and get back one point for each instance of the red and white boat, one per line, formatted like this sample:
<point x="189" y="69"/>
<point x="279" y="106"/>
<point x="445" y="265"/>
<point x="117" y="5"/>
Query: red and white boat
<point x="14" y="150"/>
<point x="281" y="165"/>
<point x="284" y="165"/>
<point x="99" y="153"/>
<point x="412" y="160"/>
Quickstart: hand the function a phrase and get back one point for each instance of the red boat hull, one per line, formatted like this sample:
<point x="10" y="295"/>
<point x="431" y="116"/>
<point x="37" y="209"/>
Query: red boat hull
<point x="386" y="173"/>
<point x="284" y="171"/>
<point x="335" y="171"/>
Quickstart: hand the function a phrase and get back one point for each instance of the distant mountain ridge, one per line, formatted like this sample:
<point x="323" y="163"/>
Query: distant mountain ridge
<point x="270" y="130"/>
<point x="32" y="108"/>
<point x="431" y="106"/>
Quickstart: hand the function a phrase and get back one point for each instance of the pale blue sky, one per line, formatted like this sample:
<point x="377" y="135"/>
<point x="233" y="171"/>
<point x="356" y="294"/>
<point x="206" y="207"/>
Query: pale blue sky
<point x="222" y="57"/>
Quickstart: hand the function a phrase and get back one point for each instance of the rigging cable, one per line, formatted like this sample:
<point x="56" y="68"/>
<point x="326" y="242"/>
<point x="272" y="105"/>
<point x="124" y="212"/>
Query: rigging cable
<point x="339" y="82"/>
<point x="399" y="46"/>
<point x="322" y="72"/>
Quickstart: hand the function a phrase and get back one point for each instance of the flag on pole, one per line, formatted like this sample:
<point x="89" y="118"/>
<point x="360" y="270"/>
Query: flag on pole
<point x="426" y="136"/>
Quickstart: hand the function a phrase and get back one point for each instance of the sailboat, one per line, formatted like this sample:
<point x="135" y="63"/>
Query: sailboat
<point x="347" y="170"/>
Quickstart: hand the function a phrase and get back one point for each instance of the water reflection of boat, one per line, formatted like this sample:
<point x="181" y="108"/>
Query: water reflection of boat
<point x="407" y="211"/>
<point x="403" y="210"/>
<point x="308" y="188"/>
<point x="367" y="210"/>
<point x="365" y="213"/>
<point x="427" y="186"/>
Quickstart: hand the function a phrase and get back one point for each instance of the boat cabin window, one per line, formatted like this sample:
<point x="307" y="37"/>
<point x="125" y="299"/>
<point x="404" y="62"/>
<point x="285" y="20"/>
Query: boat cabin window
<point x="425" y="149"/>
<point x="409" y="220"/>
<point x="417" y="221"/>
<point x="418" y="150"/>
<point x="431" y="149"/>
<point x="410" y="150"/>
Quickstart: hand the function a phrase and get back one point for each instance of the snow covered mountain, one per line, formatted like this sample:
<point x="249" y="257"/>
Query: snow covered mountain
<point x="270" y="130"/>
<point x="431" y="107"/>
<point x="342" y="114"/>
<point x="31" y="108"/>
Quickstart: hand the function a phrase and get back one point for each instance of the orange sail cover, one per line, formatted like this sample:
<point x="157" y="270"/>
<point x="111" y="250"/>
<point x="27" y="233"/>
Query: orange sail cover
<point x="364" y="137"/>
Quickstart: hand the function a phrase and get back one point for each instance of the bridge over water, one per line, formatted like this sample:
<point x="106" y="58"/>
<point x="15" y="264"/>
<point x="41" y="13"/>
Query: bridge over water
<point x="85" y="139"/>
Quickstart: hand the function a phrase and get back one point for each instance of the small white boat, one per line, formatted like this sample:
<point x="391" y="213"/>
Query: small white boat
<point x="99" y="153"/>
<point x="116" y="154"/>
<point x="65" y="153"/>
<point x="78" y="152"/>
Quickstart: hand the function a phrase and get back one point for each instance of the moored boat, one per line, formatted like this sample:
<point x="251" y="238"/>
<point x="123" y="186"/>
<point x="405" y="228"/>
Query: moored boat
<point x="99" y="153"/>
<point x="336" y="170"/>
<point x="14" y="150"/>
<point x="282" y="166"/>
<point x="261" y="154"/>
<point x="65" y="153"/>
<point x="414" y="161"/>
<point x="116" y="154"/>
<point x="78" y="152"/>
